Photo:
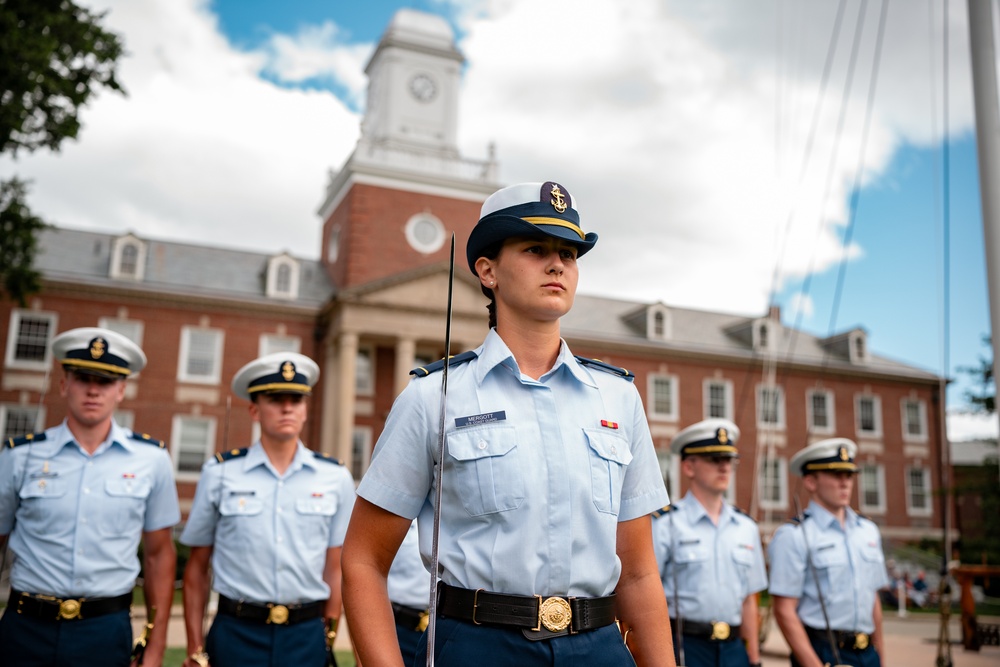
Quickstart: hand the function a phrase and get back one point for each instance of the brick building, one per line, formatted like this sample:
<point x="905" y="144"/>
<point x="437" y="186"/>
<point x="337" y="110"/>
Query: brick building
<point x="373" y="306"/>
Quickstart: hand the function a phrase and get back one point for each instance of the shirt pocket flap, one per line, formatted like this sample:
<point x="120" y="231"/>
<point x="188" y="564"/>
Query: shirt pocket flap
<point x="481" y="442"/>
<point x="325" y="506"/>
<point x="829" y="555"/>
<point x="872" y="554"/>
<point x="743" y="556"/>
<point x="43" y="488"/>
<point x="127" y="488"/>
<point x="609" y="447"/>
<point x="690" y="553"/>
<point x="240" y="505"/>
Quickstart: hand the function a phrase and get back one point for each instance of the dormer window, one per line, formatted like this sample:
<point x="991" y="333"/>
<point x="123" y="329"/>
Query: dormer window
<point x="658" y="322"/>
<point x="128" y="258"/>
<point x="858" y="347"/>
<point x="283" y="277"/>
<point x="764" y="335"/>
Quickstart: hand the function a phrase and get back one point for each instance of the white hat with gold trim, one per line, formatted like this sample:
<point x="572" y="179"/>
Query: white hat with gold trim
<point x="277" y="373"/>
<point x="101" y="352"/>
<point x="832" y="455"/>
<point x="711" y="437"/>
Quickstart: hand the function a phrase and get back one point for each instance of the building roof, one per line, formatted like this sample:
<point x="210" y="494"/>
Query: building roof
<point x="85" y="257"/>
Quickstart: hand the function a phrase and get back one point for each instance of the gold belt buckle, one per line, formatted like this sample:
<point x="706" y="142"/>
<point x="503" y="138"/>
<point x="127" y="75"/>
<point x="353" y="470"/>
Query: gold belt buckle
<point x="69" y="609"/>
<point x="720" y="631"/>
<point x="278" y="614"/>
<point x="861" y="641"/>
<point x="554" y="614"/>
<point x="424" y="621"/>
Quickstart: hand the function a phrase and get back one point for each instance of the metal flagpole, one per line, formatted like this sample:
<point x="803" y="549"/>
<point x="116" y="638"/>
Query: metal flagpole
<point x="439" y="473"/>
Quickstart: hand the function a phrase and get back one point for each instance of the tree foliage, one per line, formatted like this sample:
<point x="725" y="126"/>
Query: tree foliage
<point x="984" y="397"/>
<point x="53" y="57"/>
<point x="18" y="239"/>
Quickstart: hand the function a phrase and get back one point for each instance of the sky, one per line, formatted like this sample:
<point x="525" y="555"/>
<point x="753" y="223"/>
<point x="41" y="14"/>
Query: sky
<point x="734" y="153"/>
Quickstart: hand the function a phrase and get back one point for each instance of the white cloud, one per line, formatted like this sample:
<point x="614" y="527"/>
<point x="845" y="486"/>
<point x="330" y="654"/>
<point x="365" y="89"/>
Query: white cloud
<point x="965" y="426"/>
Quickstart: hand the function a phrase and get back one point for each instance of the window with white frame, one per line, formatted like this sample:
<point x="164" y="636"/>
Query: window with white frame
<point x="192" y="443"/>
<point x="770" y="407"/>
<point x="270" y="343"/>
<point x="663" y="396"/>
<point x="658" y="322"/>
<point x="201" y="355"/>
<point x="128" y="258"/>
<point x="18" y="420"/>
<point x="131" y="329"/>
<point x="914" y="420"/>
<point x="868" y="415"/>
<point x="364" y="372"/>
<point x="773" y="483"/>
<point x="28" y="339"/>
<point x="718" y="399"/>
<point x="819" y="411"/>
<point x="283" y="277"/>
<point x="871" y="488"/>
<point x="918" y="491"/>
<point x="361" y="451"/>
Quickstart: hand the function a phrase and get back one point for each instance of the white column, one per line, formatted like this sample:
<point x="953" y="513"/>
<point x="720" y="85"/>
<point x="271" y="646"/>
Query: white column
<point x="347" y="355"/>
<point x="406" y="349"/>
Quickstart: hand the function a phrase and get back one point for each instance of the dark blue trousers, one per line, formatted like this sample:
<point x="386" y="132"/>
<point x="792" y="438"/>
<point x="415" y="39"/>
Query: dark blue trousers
<point x="867" y="658"/>
<point x="409" y="640"/>
<point x="700" y="652"/>
<point x="461" y="644"/>
<point x="103" y="641"/>
<point x="232" y="642"/>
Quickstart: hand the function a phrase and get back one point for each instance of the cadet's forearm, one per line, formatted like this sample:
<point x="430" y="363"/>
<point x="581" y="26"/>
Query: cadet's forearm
<point x="196" y="590"/>
<point x="750" y="628"/>
<point x="159" y="570"/>
<point x="787" y="617"/>
<point x="641" y="603"/>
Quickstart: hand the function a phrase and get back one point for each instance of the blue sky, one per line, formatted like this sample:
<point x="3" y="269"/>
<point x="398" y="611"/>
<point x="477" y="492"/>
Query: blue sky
<point x="682" y="128"/>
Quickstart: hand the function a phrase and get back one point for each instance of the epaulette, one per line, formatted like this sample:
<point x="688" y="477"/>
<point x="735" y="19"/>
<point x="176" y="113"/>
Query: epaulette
<point x="326" y="457"/>
<point x="148" y="439"/>
<point x="663" y="510"/>
<point x="222" y="457"/>
<point x="607" y="368"/>
<point x="26" y="439"/>
<point x="438" y="365"/>
<point x="798" y="519"/>
<point x="739" y="511"/>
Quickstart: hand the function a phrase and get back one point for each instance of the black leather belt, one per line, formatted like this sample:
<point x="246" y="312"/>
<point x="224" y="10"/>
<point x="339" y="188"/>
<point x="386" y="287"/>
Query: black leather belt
<point x="717" y="631"/>
<point x="846" y="639"/>
<point x="538" y="617"/>
<point x="52" y="608"/>
<point x="410" y="618"/>
<point x="271" y="612"/>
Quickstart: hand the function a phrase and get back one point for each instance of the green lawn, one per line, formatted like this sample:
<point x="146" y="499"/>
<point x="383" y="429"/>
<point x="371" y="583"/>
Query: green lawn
<point x="175" y="657"/>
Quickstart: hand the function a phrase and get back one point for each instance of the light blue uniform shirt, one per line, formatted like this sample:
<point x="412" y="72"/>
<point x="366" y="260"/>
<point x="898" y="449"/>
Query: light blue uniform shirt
<point x="849" y="564"/>
<point x="270" y="532"/>
<point x="77" y="518"/>
<point x="409" y="582"/>
<point x="715" y="566"/>
<point x="534" y="486"/>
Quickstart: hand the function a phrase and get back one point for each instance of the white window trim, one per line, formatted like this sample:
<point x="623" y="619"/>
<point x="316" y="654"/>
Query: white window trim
<point x="368" y="389"/>
<point x="879" y="507"/>
<point x="359" y="468"/>
<point x="928" y="491"/>
<point x="831" y="412"/>
<point x="877" y="415"/>
<point x="420" y="245"/>
<point x="16" y="315"/>
<point x="780" y="424"/>
<point x="273" y="265"/>
<point x="264" y="348"/>
<point x="782" y="502"/>
<point x="706" y="396"/>
<point x="117" y="248"/>
<point x="922" y="416"/>
<point x="672" y="416"/>
<point x="769" y="333"/>
<point x="175" y="445"/>
<point x="182" y="374"/>
<point x="39" y="416"/>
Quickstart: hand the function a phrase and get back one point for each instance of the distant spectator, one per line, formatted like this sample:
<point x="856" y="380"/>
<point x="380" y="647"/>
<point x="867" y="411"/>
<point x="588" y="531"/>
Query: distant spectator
<point x="918" y="592"/>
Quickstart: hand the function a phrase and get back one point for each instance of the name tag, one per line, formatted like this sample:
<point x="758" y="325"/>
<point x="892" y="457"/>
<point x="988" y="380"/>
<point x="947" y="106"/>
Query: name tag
<point x="475" y="420"/>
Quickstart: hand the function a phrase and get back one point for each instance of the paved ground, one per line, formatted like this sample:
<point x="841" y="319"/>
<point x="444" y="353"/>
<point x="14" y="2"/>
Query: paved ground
<point x="910" y="642"/>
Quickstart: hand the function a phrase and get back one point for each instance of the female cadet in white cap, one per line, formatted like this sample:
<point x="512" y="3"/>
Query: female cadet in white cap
<point x="78" y="497"/>
<point x="271" y="519"/>
<point x="827" y="566"/>
<point x="548" y="481"/>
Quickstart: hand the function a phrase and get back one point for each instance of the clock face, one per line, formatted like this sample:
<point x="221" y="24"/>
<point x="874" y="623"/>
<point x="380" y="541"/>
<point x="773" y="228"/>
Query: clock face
<point x="423" y="87"/>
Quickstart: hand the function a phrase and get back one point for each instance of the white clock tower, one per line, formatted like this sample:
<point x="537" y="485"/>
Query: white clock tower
<point x="413" y="80"/>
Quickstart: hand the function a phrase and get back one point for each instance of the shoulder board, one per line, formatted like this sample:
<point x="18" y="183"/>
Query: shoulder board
<point x="663" y="510"/>
<point x="607" y="368"/>
<point x="739" y="511"/>
<point x="146" y="438"/>
<point x="798" y="519"/>
<point x="326" y="457"/>
<point x="26" y="439"/>
<point x="222" y="457"/>
<point x="438" y="365"/>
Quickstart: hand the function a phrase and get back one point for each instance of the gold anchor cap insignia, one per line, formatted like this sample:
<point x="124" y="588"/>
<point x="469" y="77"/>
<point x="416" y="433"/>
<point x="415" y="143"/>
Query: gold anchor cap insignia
<point x="844" y="456"/>
<point x="723" y="436"/>
<point x="98" y="347"/>
<point x="558" y="202"/>
<point x="288" y="371"/>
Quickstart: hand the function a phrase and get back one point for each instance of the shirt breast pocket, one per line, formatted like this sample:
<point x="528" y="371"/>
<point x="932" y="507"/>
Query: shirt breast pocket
<point x="609" y="459"/>
<point x="690" y="560"/>
<point x="39" y="495"/>
<point x="742" y="561"/>
<point x="831" y="566"/>
<point x="126" y="504"/>
<point x="874" y="563"/>
<point x="487" y="469"/>
<point x="240" y="525"/>
<point x="314" y="516"/>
